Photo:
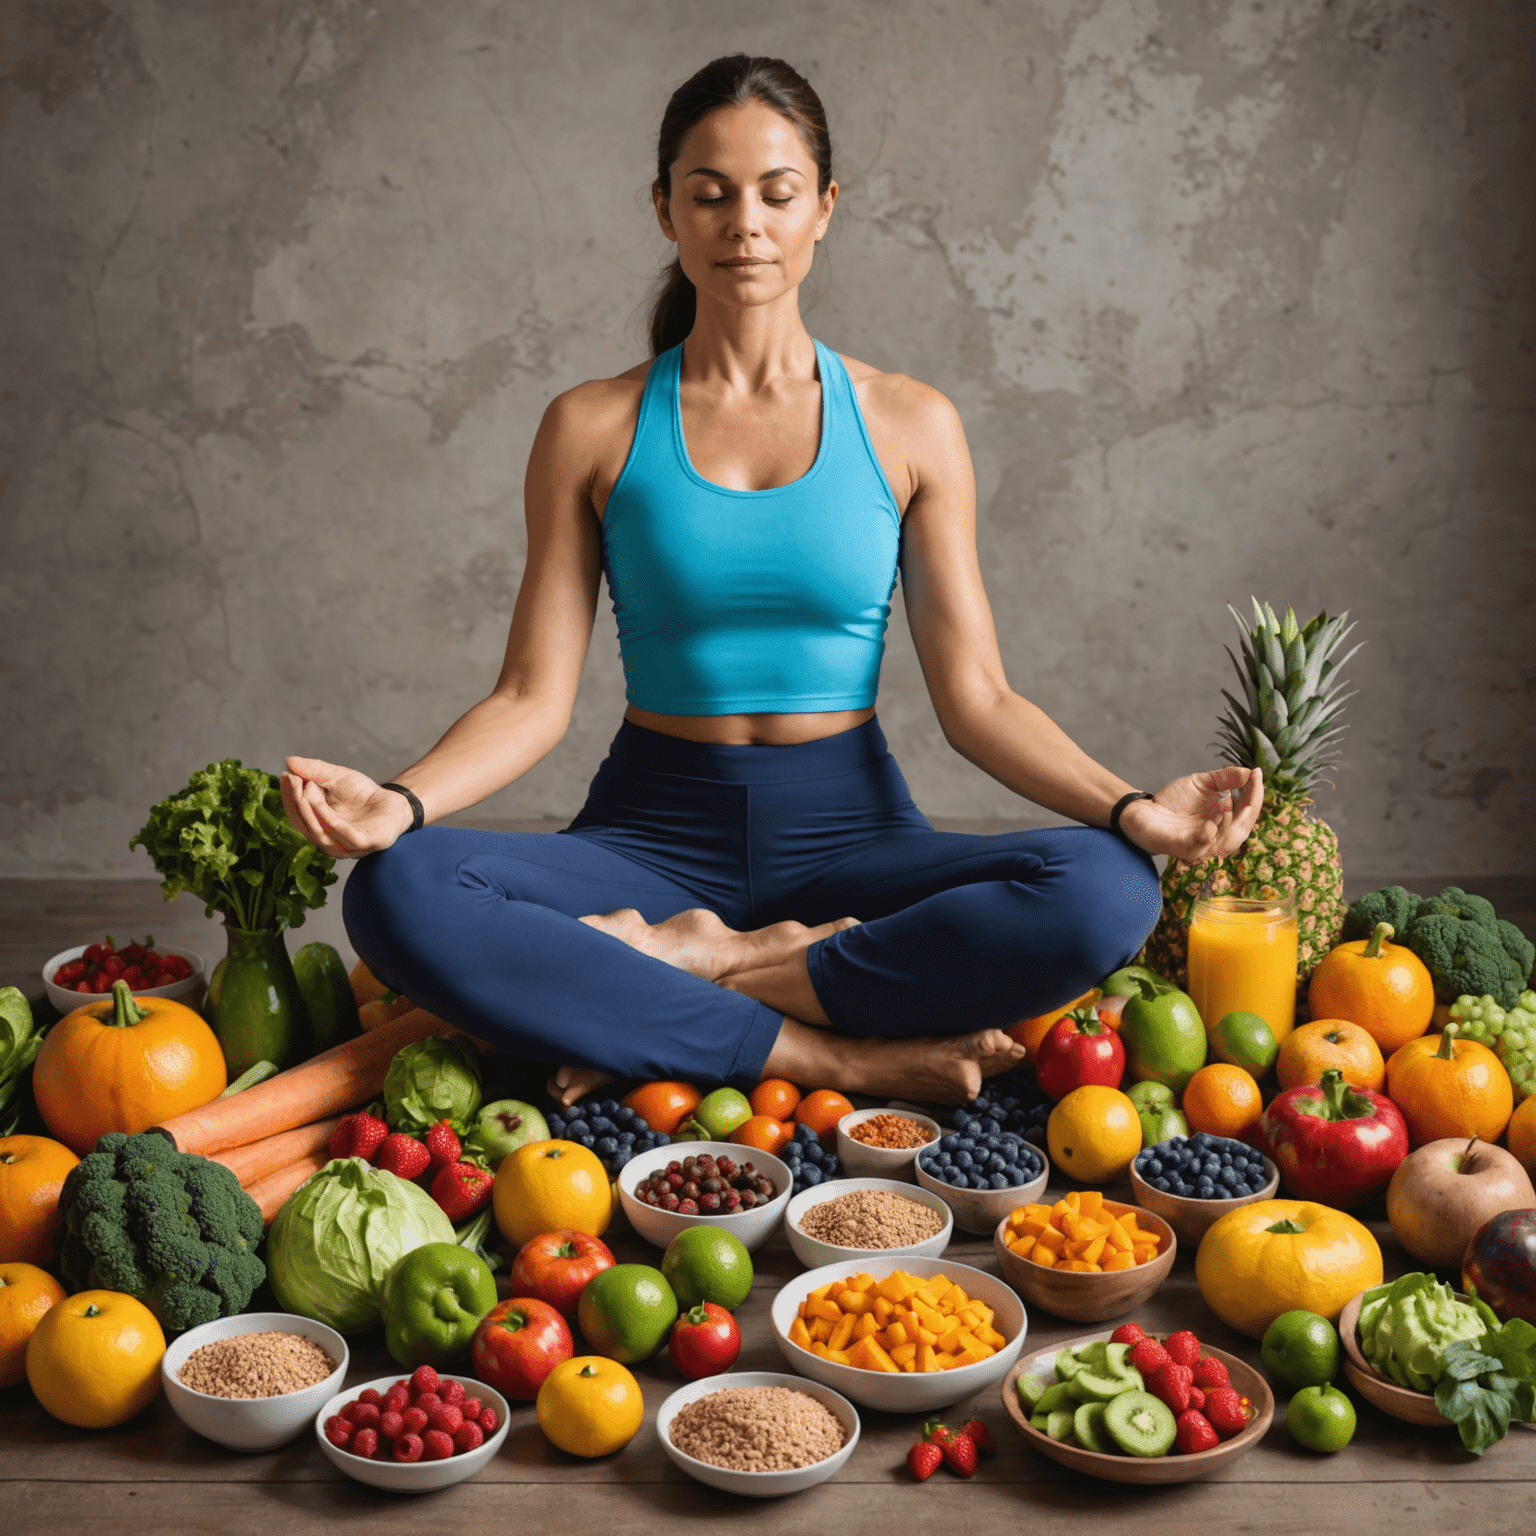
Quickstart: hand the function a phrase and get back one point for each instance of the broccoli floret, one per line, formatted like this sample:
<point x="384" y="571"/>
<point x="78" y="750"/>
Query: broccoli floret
<point x="1518" y="948"/>
<point x="1392" y="904"/>
<point x="1458" y="937"/>
<point x="1455" y="902"/>
<point x="170" y="1228"/>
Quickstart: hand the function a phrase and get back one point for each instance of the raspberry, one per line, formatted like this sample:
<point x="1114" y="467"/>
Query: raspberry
<point x="1211" y="1373"/>
<point x="470" y="1436"/>
<point x="1194" y="1433"/>
<point x="391" y="1425"/>
<point x="409" y="1448"/>
<point x="415" y="1420"/>
<point x="1172" y="1382"/>
<point x="470" y="1408"/>
<point x="398" y="1398"/>
<point x="424" y="1379"/>
<point x="452" y="1392"/>
<point x="1184" y="1347"/>
<point x="1224" y="1408"/>
<point x="1148" y="1356"/>
<point x="339" y="1431"/>
<point x="448" y="1418"/>
<point x="489" y="1421"/>
<point x="436" y="1445"/>
<point x="427" y="1401"/>
<point x="1128" y="1333"/>
<point x="364" y="1415"/>
<point x="1197" y="1399"/>
<point x="365" y="1443"/>
<point x="369" y="1395"/>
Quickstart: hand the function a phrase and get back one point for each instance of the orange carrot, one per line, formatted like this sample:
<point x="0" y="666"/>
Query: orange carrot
<point x="382" y="1009"/>
<point x="270" y="1192"/>
<point x="259" y="1158"/>
<point x="347" y="1074"/>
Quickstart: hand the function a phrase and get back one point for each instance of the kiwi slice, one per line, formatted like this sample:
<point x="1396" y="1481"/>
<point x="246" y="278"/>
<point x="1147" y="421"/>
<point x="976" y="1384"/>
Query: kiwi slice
<point x="1058" y="1395"/>
<point x="1117" y="1362"/>
<point x="1058" y="1425"/>
<point x="1097" y="1386"/>
<point x="1068" y="1364"/>
<point x="1095" y="1352"/>
<point x="1088" y="1426"/>
<point x="1040" y="1421"/>
<point x="1140" y="1424"/>
<point x="1031" y="1389"/>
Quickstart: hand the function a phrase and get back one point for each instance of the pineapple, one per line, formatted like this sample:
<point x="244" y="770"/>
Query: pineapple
<point x="1285" y="724"/>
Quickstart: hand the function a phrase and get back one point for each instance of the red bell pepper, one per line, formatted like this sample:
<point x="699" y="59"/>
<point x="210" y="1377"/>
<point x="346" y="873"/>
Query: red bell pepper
<point x="1334" y="1143"/>
<point x="1079" y="1049"/>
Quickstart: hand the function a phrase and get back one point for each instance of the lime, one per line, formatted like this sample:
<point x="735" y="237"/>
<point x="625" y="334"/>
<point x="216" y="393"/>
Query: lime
<point x="1321" y="1418"/>
<point x="708" y="1264"/>
<point x="1301" y="1349"/>
<point x="627" y="1312"/>
<point x="720" y="1112"/>
<point x="1245" y="1040"/>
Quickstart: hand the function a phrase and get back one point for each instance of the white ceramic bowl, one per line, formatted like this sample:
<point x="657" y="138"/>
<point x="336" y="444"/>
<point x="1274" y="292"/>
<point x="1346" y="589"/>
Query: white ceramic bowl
<point x="66" y="1001"/>
<point x="813" y="1252"/>
<point x="659" y="1227"/>
<point x="758" y="1485"/>
<point x="980" y="1210"/>
<point x="909" y="1392"/>
<point x="251" y="1423"/>
<point x="862" y="1161"/>
<point x="413" y="1476"/>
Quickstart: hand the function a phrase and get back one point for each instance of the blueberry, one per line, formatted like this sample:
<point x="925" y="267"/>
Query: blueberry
<point x="577" y="1128"/>
<point x="949" y="1143"/>
<point x="1226" y="1159"/>
<point x="814" y="1153"/>
<point x="959" y="1180"/>
<point x="804" y="1134"/>
<point x="963" y="1159"/>
<point x="998" y="1181"/>
<point x="792" y="1155"/>
<point x="811" y="1176"/>
<point x="626" y="1138"/>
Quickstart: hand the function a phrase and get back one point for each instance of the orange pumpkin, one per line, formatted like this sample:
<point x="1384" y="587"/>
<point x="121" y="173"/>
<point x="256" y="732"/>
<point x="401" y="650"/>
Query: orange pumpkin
<point x="1311" y="1049"/>
<point x="1450" y="1087"/>
<point x="664" y="1106"/>
<point x="32" y="1171"/>
<point x="124" y="1064"/>
<point x="1384" y="988"/>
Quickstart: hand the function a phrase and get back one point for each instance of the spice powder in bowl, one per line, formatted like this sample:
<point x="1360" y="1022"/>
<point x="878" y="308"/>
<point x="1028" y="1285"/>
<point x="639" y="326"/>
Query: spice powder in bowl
<point x="871" y="1218"/>
<point x="757" y="1429"/>
<point x="892" y="1133"/>
<point x="266" y="1364"/>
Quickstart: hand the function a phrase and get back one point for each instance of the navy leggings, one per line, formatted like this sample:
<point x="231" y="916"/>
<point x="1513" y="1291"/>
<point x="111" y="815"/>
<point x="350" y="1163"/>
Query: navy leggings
<point x="957" y="932"/>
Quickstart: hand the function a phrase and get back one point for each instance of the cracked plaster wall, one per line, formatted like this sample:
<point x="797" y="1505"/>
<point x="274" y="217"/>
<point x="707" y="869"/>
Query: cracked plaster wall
<point x="1233" y="297"/>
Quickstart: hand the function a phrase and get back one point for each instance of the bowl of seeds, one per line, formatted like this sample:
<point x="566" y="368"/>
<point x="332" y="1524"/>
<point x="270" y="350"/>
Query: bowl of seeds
<point x="758" y="1433"/>
<point x="884" y="1143"/>
<point x="254" y="1381"/>
<point x="849" y="1219"/>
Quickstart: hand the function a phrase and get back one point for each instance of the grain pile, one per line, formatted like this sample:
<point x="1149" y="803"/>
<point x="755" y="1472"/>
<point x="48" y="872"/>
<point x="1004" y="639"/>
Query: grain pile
<point x="871" y="1218"/>
<point x="757" y="1429"/>
<point x="256" y="1365"/>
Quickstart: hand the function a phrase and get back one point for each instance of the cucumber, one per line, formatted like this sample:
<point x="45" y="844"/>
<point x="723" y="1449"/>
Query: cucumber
<point x="1058" y="1425"/>
<point x="1088" y="1426"/>
<point x="1031" y="1389"/>
<point x="1140" y="1424"/>
<point x="1058" y="1395"/>
<point x="327" y="992"/>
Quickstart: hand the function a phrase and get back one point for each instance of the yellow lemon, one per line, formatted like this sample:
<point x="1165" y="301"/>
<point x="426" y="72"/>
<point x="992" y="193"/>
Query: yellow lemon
<point x="1093" y="1134"/>
<point x="590" y="1406"/>
<point x="551" y="1186"/>
<point x="94" y="1359"/>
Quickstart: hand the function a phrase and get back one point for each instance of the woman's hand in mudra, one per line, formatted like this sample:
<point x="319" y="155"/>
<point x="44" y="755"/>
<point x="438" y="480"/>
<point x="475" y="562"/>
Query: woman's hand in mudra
<point x="341" y="811"/>
<point x="1201" y="816"/>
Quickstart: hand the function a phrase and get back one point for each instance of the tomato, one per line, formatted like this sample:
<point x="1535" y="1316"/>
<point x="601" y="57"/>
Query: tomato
<point x="555" y="1267"/>
<point x="705" y="1341"/>
<point x="518" y="1343"/>
<point x="775" y="1096"/>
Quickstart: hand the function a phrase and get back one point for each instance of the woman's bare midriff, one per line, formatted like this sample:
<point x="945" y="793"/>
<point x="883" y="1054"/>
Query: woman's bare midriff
<point x="750" y="730"/>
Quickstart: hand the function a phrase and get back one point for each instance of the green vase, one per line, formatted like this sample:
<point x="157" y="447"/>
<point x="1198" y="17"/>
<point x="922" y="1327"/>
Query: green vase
<point x="254" y="1005"/>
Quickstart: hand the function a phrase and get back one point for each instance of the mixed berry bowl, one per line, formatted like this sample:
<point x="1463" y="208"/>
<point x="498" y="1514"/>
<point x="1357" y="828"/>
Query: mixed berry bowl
<point x="659" y="1223"/>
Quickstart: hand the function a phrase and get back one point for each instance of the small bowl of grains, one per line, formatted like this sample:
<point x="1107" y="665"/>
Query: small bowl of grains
<point x="884" y="1143"/>
<point x="758" y="1433"/>
<point x="254" y="1381"/>
<point x="848" y="1219"/>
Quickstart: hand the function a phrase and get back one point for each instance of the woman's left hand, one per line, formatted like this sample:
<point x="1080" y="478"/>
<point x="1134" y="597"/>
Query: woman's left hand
<point x="1201" y="816"/>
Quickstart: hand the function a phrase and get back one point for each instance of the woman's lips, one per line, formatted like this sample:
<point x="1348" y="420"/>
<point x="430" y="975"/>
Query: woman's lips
<point x="745" y="261"/>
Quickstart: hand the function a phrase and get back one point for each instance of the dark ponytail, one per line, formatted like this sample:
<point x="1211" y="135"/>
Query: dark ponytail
<point x="731" y="81"/>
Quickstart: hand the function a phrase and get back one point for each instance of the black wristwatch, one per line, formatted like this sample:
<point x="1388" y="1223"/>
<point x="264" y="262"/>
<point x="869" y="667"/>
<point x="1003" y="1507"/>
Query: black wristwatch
<point x="418" y="813"/>
<point x="1120" y="805"/>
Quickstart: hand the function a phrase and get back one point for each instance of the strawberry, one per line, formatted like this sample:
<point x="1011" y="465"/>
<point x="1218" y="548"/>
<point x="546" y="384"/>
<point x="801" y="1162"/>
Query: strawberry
<point x="924" y="1459"/>
<point x="359" y="1135"/>
<point x="1211" y="1373"/>
<point x="1224" y="1408"/>
<point x="981" y="1435"/>
<point x="1184" y="1347"/>
<point x="391" y="1424"/>
<point x="403" y="1156"/>
<point x="958" y="1447"/>
<point x="462" y="1189"/>
<point x="1128" y="1333"/>
<point x="1172" y="1382"/>
<point x="1194" y="1433"/>
<point x="1148" y="1356"/>
<point x="1197" y="1399"/>
<point x="442" y="1144"/>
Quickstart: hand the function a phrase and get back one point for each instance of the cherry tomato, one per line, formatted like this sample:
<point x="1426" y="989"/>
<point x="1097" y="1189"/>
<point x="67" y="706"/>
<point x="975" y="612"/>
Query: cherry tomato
<point x="705" y="1341"/>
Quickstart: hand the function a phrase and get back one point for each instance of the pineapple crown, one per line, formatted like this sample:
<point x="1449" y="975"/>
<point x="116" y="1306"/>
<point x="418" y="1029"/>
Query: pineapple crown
<point x="1287" y="720"/>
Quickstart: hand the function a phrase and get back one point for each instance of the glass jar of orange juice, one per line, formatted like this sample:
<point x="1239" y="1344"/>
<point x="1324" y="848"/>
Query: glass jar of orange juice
<point x="1242" y="957"/>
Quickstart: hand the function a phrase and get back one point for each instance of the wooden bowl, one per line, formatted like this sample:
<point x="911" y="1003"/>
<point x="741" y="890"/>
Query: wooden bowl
<point x="1401" y="1402"/>
<point x="1172" y="1468"/>
<point x="1190" y="1217"/>
<point x="1090" y="1298"/>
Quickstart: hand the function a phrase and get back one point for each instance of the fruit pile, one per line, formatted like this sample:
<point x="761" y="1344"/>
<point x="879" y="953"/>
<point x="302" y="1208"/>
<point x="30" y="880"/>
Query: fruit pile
<point x="1078" y="1235"/>
<point x="1012" y="1101"/>
<point x="809" y="1162"/>
<point x="706" y="1186"/>
<point x="1202" y="1167"/>
<point x="423" y="1418"/>
<point x="990" y="1160"/>
<point x="1135" y="1395"/>
<point x="610" y="1130"/>
<point x="142" y="966"/>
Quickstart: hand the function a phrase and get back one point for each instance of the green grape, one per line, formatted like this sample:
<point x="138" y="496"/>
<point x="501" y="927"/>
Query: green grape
<point x="1511" y="1035"/>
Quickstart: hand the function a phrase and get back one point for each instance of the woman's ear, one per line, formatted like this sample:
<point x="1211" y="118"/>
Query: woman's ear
<point x="828" y="203"/>
<point x="663" y="207"/>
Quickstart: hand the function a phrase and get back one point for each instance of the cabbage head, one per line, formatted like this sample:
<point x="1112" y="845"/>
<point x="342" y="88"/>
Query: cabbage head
<point x="430" y="1080"/>
<point x="338" y="1235"/>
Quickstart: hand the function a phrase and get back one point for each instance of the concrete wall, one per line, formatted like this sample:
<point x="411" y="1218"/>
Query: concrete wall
<point x="1233" y="297"/>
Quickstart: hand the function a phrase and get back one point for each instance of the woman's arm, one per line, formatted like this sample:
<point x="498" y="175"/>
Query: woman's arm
<point x="345" y="813"/>
<point x="980" y="714"/>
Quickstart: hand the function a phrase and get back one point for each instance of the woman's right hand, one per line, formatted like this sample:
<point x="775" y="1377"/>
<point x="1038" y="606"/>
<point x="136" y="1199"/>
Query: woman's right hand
<point x="341" y="811"/>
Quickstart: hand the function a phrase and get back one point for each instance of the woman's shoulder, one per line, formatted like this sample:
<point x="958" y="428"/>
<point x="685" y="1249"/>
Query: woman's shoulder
<point x="897" y="401"/>
<point x="601" y="403"/>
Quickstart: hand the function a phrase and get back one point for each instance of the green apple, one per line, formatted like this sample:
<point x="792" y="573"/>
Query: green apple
<point x="501" y="1128"/>
<point x="1158" y="1110"/>
<point x="718" y="1114"/>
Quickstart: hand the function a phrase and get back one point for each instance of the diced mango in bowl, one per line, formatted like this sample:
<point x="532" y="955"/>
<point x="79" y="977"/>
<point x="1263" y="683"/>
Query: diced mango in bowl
<point x="900" y="1323"/>
<point x="1078" y="1235"/>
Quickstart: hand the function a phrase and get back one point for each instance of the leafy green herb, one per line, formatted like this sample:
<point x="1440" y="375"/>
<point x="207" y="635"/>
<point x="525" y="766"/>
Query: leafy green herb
<point x="1489" y="1383"/>
<point x="19" y="1045"/>
<point x="224" y="838"/>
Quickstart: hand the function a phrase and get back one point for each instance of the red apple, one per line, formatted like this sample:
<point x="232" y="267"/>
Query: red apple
<point x="1443" y="1192"/>
<point x="555" y="1267"/>
<point x="1501" y="1262"/>
<point x="518" y="1343"/>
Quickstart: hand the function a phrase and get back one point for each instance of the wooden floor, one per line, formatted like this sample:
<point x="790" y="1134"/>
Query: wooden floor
<point x="152" y="1475"/>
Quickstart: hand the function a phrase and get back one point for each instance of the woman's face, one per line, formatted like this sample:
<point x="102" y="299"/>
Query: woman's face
<point x="744" y="209"/>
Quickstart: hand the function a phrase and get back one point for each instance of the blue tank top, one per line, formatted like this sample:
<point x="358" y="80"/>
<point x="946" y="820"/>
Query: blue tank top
<point x="744" y="602"/>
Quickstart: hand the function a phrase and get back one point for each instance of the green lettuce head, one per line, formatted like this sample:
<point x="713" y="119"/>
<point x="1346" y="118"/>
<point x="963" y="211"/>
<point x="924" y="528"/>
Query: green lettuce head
<point x="434" y="1079"/>
<point x="340" y="1233"/>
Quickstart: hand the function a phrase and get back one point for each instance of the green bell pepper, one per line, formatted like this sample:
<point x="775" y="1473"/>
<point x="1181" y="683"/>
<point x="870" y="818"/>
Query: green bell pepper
<point x="432" y="1302"/>
<point x="1161" y="1031"/>
<point x="1126" y="982"/>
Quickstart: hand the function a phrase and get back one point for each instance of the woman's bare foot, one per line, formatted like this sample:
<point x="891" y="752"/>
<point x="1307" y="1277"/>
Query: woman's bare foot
<point x="698" y="941"/>
<point x="572" y="1083"/>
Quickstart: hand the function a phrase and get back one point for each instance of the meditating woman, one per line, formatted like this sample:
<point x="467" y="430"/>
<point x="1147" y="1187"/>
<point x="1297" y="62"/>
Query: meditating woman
<point x="749" y="890"/>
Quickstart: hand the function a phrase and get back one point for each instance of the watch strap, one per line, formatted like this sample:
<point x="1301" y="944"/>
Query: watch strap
<point x="418" y="812"/>
<point x="1120" y="805"/>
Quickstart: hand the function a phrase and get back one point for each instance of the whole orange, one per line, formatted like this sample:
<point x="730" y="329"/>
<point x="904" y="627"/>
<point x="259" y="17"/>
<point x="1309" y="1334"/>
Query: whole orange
<point x="1522" y="1136"/>
<point x="32" y="1172"/>
<point x="1030" y="1032"/>
<point x="822" y="1110"/>
<point x="547" y="1186"/>
<point x="94" y="1358"/>
<point x="1311" y="1049"/>
<point x="1223" y="1100"/>
<point x="664" y="1106"/>
<point x="1093" y="1134"/>
<point x="763" y="1133"/>
<point x="775" y="1096"/>
<point x="26" y="1292"/>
